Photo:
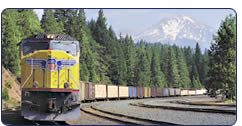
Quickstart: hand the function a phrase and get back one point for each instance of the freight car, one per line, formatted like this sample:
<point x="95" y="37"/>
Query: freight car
<point x="50" y="88"/>
<point x="103" y="91"/>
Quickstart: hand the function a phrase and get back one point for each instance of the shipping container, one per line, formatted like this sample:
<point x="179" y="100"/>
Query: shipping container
<point x="177" y="91"/>
<point x="100" y="91"/>
<point x="89" y="91"/>
<point x="135" y="92"/>
<point x="112" y="91"/>
<point x="131" y="92"/>
<point x="192" y="92"/>
<point x="140" y="92"/>
<point x="204" y="91"/>
<point x="145" y="92"/>
<point x="159" y="92"/>
<point x="165" y="92"/>
<point x="123" y="91"/>
<point x="153" y="92"/>
<point x="199" y="92"/>
<point x="184" y="92"/>
<point x="171" y="91"/>
<point x="149" y="92"/>
<point x="83" y="90"/>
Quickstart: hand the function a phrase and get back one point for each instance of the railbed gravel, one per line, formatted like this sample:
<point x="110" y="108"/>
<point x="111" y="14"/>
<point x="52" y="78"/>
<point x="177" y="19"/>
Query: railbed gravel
<point x="173" y="116"/>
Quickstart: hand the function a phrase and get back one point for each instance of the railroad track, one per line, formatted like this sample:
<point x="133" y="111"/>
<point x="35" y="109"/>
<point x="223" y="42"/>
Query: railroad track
<point x="208" y="110"/>
<point x="49" y="122"/>
<point x="123" y="118"/>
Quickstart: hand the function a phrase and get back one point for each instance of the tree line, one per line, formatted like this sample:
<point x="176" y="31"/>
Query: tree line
<point x="116" y="59"/>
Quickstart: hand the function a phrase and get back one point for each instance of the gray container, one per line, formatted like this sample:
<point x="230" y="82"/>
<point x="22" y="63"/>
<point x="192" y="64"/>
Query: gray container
<point x="171" y="91"/>
<point x="177" y="91"/>
<point x="165" y="92"/>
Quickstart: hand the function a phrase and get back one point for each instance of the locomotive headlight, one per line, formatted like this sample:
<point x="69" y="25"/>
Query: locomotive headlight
<point x="50" y="36"/>
<point x="35" y="84"/>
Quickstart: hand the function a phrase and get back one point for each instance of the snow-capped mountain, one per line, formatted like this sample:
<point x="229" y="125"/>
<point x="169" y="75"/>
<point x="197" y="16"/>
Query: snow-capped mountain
<point x="180" y="30"/>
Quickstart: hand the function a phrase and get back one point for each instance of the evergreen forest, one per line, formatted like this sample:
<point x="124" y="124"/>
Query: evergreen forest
<point x="116" y="59"/>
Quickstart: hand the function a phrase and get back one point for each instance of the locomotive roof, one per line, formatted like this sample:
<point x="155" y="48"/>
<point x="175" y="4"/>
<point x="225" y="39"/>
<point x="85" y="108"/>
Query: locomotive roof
<point x="61" y="37"/>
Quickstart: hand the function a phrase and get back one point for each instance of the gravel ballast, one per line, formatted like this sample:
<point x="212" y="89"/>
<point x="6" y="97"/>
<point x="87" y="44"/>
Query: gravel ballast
<point x="172" y="116"/>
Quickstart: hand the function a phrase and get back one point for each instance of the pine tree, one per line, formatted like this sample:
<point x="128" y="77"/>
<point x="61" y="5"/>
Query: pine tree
<point x="173" y="75"/>
<point x="129" y="51"/>
<point x="204" y="67"/>
<point x="142" y="66"/>
<point x="28" y="22"/>
<point x="197" y="58"/>
<point x="101" y="36"/>
<point x="188" y="53"/>
<point x="222" y="58"/>
<point x="157" y="76"/>
<point x="84" y="73"/>
<point x="196" y="82"/>
<point x="184" y="81"/>
<point x="17" y="24"/>
<point x="10" y="37"/>
<point x="49" y="23"/>
<point x="164" y="60"/>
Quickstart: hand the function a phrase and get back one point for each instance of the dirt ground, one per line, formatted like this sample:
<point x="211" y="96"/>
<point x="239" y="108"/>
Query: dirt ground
<point x="13" y="90"/>
<point x="88" y="119"/>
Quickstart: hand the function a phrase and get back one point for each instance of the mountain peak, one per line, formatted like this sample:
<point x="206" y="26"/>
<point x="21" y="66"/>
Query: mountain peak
<point x="179" y="30"/>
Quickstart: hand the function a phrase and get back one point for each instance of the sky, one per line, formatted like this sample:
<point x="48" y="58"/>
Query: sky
<point x="123" y="20"/>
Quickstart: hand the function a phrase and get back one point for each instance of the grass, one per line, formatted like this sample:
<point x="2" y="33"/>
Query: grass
<point x="5" y="95"/>
<point x="230" y="101"/>
<point x="10" y="83"/>
<point x="9" y="104"/>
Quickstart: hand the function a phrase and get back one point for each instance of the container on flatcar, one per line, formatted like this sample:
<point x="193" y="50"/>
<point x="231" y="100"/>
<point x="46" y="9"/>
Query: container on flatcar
<point x="177" y="91"/>
<point x="159" y="92"/>
<point x="149" y="92"/>
<point x="199" y="92"/>
<point x="135" y="92"/>
<point x="131" y="92"/>
<point x="83" y="90"/>
<point x="171" y="91"/>
<point x="153" y="92"/>
<point x="140" y="92"/>
<point x="145" y="92"/>
<point x="123" y="91"/>
<point x="184" y="92"/>
<point x="100" y="91"/>
<point x="192" y="92"/>
<point x="165" y="92"/>
<point x="89" y="91"/>
<point x="112" y="91"/>
<point x="204" y="91"/>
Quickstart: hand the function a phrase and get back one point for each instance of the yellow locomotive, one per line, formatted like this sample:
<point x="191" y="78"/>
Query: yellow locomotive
<point x="50" y="77"/>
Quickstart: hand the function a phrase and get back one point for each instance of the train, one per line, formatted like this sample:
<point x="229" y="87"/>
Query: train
<point x="50" y="86"/>
<point x="97" y="91"/>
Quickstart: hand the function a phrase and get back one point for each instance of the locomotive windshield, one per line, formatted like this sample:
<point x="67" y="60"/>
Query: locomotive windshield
<point x="67" y="47"/>
<point x="30" y="47"/>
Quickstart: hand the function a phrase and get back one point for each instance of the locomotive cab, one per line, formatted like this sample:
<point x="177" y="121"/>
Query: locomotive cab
<point x="50" y="77"/>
